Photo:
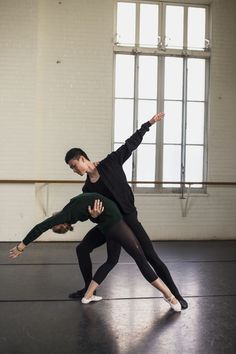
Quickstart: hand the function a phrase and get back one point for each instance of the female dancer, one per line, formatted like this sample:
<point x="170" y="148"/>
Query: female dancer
<point x="110" y="222"/>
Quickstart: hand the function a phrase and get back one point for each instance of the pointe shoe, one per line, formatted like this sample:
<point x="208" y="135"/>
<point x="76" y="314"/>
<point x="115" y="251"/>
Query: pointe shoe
<point x="92" y="298"/>
<point x="176" y="307"/>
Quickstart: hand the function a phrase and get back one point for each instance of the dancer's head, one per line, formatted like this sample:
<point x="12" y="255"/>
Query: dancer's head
<point x="78" y="160"/>
<point x="62" y="228"/>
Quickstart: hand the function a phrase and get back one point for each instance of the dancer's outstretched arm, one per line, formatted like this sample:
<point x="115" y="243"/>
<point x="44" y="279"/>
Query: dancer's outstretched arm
<point x="131" y="144"/>
<point x="38" y="230"/>
<point x="58" y="220"/>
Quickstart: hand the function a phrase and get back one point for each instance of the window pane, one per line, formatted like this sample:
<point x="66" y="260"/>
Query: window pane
<point x="174" y="26"/>
<point x="124" y="86"/>
<point x="146" y="110"/>
<point x="172" y="122"/>
<point x="127" y="165"/>
<point x="171" y="164"/>
<point x="126" y="23"/>
<point x="123" y="119"/>
<point x="196" y="27"/>
<point x="173" y="78"/>
<point x="146" y="164"/>
<point x="194" y="164"/>
<point x="195" y="123"/>
<point x="148" y="25"/>
<point x="147" y="87"/>
<point x="196" y="79"/>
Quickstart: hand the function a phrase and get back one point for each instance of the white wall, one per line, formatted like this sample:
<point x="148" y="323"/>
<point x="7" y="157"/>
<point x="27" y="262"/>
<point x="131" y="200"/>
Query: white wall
<point x="56" y="70"/>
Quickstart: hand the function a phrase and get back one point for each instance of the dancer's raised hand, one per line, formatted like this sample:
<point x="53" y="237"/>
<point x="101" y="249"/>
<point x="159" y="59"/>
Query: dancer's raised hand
<point x="157" y="118"/>
<point x="97" y="209"/>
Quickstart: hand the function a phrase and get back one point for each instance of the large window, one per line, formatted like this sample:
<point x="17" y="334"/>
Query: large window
<point x="162" y="64"/>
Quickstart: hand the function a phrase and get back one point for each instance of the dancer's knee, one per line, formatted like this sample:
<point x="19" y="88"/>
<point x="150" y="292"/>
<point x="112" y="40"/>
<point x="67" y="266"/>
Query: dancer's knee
<point x="103" y="271"/>
<point x="151" y="255"/>
<point x="111" y="263"/>
<point x="82" y="249"/>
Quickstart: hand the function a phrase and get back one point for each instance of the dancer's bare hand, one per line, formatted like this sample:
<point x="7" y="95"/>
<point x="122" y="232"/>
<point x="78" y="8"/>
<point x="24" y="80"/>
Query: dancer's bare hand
<point x="157" y="118"/>
<point x="98" y="208"/>
<point x="15" y="252"/>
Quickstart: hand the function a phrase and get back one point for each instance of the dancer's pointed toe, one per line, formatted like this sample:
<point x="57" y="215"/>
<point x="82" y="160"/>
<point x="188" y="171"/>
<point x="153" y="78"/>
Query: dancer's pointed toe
<point x="176" y="307"/>
<point x="92" y="298"/>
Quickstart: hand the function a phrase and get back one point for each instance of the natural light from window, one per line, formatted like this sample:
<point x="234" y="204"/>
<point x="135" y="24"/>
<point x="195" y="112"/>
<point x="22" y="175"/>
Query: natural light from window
<point x="162" y="64"/>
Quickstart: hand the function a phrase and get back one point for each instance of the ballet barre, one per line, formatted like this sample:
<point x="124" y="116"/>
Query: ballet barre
<point x="185" y="188"/>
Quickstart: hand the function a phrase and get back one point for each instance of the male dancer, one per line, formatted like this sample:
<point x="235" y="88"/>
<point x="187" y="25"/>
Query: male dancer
<point x="108" y="178"/>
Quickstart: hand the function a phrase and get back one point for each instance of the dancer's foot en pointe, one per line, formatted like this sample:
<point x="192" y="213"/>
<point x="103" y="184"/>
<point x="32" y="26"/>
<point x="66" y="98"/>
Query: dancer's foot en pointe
<point x="174" y="303"/>
<point x="168" y="296"/>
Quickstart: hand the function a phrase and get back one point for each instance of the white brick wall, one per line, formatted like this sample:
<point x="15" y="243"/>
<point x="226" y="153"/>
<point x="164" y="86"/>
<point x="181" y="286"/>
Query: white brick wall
<point x="18" y="50"/>
<point x="48" y="107"/>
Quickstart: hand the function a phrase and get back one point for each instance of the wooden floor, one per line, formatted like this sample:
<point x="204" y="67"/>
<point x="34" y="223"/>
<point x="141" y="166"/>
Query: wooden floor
<point x="36" y="315"/>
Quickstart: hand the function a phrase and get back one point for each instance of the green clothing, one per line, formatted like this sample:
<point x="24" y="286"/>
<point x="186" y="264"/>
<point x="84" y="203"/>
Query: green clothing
<point x="77" y="210"/>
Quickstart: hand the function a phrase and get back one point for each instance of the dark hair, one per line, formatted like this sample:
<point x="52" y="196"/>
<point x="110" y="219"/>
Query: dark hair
<point x="75" y="154"/>
<point x="58" y="231"/>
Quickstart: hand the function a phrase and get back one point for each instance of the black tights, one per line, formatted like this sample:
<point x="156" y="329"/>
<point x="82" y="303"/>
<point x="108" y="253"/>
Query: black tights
<point x="122" y="235"/>
<point x="151" y="255"/>
<point x="95" y="238"/>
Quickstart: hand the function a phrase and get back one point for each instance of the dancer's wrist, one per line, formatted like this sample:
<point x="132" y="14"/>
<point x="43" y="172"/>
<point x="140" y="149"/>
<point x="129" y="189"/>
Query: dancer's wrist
<point x="20" y="247"/>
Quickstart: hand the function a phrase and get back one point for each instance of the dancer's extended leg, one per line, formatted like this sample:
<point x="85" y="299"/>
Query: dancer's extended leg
<point x="158" y="265"/>
<point x="122" y="234"/>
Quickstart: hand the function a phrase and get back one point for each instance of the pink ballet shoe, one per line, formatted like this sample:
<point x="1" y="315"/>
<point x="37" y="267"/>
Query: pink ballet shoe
<point x="92" y="298"/>
<point x="176" y="307"/>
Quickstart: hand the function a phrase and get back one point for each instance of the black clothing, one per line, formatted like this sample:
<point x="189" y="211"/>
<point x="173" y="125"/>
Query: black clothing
<point x="112" y="173"/>
<point x="151" y="255"/>
<point x="110" y="223"/>
<point x="113" y="177"/>
<point x="98" y="187"/>
<point x="93" y="239"/>
<point x="77" y="210"/>
<point x="122" y="235"/>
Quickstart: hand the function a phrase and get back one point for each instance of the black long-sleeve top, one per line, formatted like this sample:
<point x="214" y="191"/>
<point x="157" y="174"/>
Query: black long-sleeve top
<point x="77" y="210"/>
<point x="112" y="175"/>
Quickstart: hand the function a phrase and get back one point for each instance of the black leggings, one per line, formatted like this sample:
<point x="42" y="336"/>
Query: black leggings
<point x="121" y="234"/>
<point x="94" y="238"/>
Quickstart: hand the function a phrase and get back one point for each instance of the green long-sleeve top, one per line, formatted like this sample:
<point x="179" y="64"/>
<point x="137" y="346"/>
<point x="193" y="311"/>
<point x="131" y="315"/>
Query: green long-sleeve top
<point x="77" y="210"/>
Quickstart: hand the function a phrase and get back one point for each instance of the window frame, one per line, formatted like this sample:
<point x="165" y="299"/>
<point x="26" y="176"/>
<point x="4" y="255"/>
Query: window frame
<point x="161" y="52"/>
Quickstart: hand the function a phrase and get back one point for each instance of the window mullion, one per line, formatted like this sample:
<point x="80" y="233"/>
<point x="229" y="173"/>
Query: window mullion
<point x="184" y="121"/>
<point x="205" y="154"/>
<point x="137" y="26"/>
<point x="159" y="126"/>
<point x="160" y="97"/>
<point x="185" y="34"/>
<point x="135" y="116"/>
<point x="162" y="25"/>
<point x="207" y="30"/>
<point x="135" y="120"/>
